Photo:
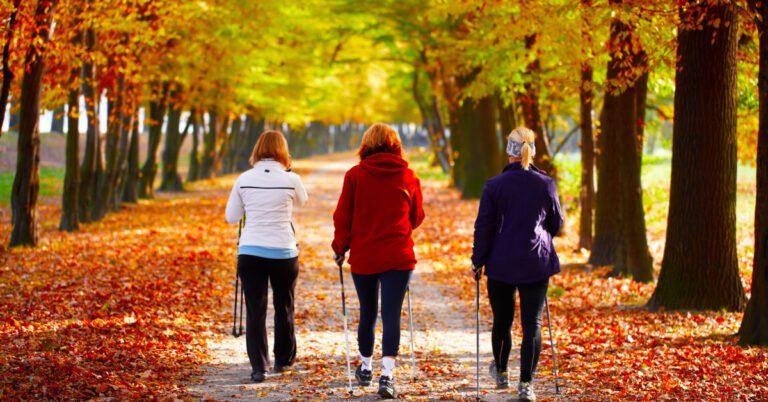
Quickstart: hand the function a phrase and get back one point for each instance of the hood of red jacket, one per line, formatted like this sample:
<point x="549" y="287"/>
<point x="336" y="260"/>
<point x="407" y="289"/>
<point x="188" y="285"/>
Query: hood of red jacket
<point x="383" y="164"/>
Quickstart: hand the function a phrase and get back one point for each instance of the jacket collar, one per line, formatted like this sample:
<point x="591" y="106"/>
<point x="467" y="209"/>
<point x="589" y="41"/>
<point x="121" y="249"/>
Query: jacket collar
<point x="519" y="166"/>
<point x="269" y="162"/>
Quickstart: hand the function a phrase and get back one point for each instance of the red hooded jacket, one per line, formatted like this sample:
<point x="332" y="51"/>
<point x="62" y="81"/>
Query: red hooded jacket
<point x="379" y="206"/>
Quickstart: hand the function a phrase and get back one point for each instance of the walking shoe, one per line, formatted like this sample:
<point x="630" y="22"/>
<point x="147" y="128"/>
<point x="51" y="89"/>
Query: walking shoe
<point x="387" y="387"/>
<point x="279" y="368"/>
<point x="257" y="376"/>
<point x="525" y="392"/>
<point x="501" y="377"/>
<point x="363" y="376"/>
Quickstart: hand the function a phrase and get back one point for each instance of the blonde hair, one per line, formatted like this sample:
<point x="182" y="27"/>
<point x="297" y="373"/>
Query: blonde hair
<point x="526" y="137"/>
<point x="271" y="145"/>
<point x="380" y="138"/>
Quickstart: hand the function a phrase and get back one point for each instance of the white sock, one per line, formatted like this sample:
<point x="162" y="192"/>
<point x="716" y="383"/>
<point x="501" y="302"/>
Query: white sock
<point x="367" y="362"/>
<point x="388" y="367"/>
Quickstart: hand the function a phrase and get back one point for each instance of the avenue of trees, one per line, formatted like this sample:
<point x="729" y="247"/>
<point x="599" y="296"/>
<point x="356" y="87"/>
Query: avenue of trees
<point x="219" y="72"/>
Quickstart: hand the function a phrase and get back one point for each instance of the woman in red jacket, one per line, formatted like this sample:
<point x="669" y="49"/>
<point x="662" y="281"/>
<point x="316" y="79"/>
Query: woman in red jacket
<point x="379" y="206"/>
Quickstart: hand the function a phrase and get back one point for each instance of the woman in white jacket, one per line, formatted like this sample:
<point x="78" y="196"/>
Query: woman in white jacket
<point x="265" y="196"/>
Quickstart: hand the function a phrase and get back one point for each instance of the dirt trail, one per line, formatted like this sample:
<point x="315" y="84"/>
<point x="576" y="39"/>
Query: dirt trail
<point x="444" y="330"/>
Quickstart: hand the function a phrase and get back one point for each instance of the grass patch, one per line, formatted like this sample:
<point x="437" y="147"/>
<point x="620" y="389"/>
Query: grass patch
<point x="51" y="184"/>
<point x="420" y="160"/>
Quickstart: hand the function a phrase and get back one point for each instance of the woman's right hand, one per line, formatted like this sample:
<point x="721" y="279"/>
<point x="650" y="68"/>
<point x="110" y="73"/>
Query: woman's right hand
<point x="477" y="272"/>
<point x="339" y="258"/>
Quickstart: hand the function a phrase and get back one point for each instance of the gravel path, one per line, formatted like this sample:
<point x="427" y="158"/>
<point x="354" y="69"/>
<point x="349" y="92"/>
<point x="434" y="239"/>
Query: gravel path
<point x="444" y="330"/>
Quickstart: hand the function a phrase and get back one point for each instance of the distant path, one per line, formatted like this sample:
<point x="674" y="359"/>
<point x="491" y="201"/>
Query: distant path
<point x="444" y="336"/>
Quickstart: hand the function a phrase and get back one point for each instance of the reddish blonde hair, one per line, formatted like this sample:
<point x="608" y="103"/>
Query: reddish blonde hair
<point x="271" y="145"/>
<point x="380" y="138"/>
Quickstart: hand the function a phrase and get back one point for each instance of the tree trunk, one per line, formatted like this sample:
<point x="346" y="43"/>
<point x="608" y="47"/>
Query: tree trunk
<point x="210" y="138"/>
<point x="157" y="108"/>
<point x="111" y="152"/>
<point x="57" y="121"/>
<point x="26" y="182"/>
<point x="194" y="159"/>
<point x="69" y="201"/>
<point x="529" y="100"/>
<point x="620" y="238"/>
<point x="476" y="122"/>
<point x="235" y="137"/>
<point x="7" y="72"/>
<point x="754" y="327"/>
<point x="131" y="188"/>
<point x="253" y="129"/>
<point x="126" y="128"/>
<point x="171" y="181"/>
<point x="224" y="144"/>
<point x="700" y="267"/>
<point x="586" y="94"/>
<point x="92" y="154"/>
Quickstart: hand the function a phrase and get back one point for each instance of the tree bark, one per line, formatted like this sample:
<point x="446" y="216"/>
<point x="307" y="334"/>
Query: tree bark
<point x="57" y="121"/>
<point x="700" y="266"/>
<point x="586" y="95"/>
<point x="171" y="181"/>
<point x="224" y="144"/>
<point x="70" y="220"/>
<point x="104" y="202"/>
<point x="253" y="128"/>
<point x="131" y="187"/>
<point x="7" y="72"/>
<point x="157" y="107"/>
<point x="754" y="326"/>
<point x="126" y="115"/>
<point x="235" y="137"/>
<point x="194" y="159"/>
<point x="210" y="139"/>
<point x="620" y="238"/>
<point x="529" y="100"/>
<point x="92" y="154"/>
<point x="26" y="182"/>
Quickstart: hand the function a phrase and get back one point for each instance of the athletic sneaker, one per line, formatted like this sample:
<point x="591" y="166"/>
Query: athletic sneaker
<point x="387" y="387"/>
<point x="525" y="392"/>
<point x="257" y="376"/>
<point x="363" y="376"/>
<point x="501" y="377"/>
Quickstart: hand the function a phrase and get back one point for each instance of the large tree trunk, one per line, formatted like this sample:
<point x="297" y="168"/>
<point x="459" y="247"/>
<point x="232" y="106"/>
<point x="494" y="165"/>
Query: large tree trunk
<point x="7" y="72"/>
<point x="529" y="100"/>
<point x="131" y="187"/>
<point x="57" y="121"/>
<point x="224" y="144"/>
<point x="586" y="94"/>
<point x="26" y="182"/>
<point x="620" y="238"/>
<point x="234" y="139"/>
<point x="432" y="121"/>
<point x="754" y="327"/>
<point x="92" y="154"/>
<point x="107" y="182"/>
<point x="194" y="158"/>
<point x="700" y="267"/>
<point x="253" y="129"/>
<point x="157" y="108"/>
<point x="171" y="181"/>
<point x="126" y="114"/>
<point x="70" y="220"/>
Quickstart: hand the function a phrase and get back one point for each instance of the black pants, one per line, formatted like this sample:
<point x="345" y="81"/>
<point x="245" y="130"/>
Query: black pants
<point x="393" y="286"/>
<point x="256" y="273"/>
<point x="502" y="297"/>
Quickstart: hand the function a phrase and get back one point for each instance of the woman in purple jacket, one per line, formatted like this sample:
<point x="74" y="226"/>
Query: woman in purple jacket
<point x="518" y="216"/>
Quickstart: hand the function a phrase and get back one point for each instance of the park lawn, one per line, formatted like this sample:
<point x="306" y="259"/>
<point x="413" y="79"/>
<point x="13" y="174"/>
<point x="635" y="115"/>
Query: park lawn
<point x="51" y="184"/>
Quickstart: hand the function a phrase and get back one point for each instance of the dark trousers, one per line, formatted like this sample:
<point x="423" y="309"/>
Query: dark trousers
<point x="393" y="286"/>
<point x="502" y="297"/>
<point x="256" y="273"/>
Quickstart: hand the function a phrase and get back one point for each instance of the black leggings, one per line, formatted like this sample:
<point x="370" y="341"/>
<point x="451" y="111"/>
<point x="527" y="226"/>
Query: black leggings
<point x="502" y="297"/>
<point x="393" y="286"/>
<point x="257" y="273"/>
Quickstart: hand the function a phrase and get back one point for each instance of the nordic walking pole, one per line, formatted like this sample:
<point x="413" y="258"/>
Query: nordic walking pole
<point x="478" y="274"/>
<point x="410" y="327"/>
<point x="344" y="315"/>
<point x="552" y="346"/>
<point x="238" y="291"/>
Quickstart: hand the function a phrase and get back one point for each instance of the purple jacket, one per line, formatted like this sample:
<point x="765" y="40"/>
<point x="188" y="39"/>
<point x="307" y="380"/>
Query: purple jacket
<point x="519" y="213"/>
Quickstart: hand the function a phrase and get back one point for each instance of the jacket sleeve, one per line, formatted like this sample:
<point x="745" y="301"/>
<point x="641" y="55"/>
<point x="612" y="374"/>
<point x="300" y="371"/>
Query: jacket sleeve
<point x="235" y="209"/>
<point x="554" y="220"/>
<point x="417" y="208"/>
<point x="300" y="193"/>
<point x="342" y="217"/>
<point x="485" y="228"/>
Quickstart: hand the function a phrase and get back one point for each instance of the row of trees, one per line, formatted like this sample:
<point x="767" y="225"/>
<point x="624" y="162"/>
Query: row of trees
<point x="490" y="66"/>
<point x="469" y="70"/>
